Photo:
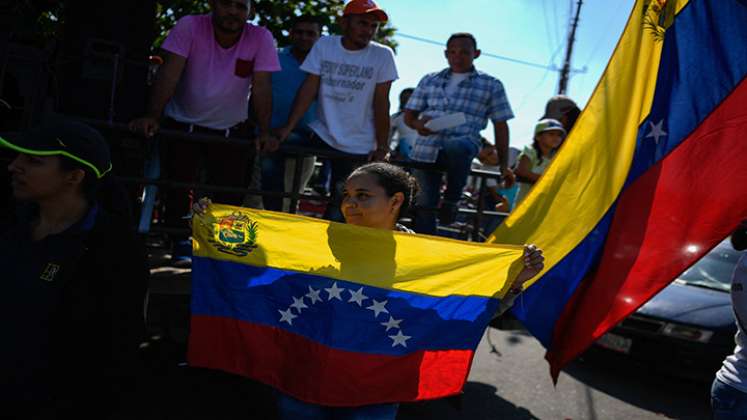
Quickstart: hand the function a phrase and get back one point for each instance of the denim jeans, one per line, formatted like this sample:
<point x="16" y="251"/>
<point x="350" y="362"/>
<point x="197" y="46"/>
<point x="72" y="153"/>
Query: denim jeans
<point x="290" y="408"/>
<point x="341" y="168"/>
<point x="273" y="168"/>
<point x="456" y="157"/>
<point x="727" y="402"/>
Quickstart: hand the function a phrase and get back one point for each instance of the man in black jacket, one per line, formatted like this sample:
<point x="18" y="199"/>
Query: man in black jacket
<point x="74" y="279"/>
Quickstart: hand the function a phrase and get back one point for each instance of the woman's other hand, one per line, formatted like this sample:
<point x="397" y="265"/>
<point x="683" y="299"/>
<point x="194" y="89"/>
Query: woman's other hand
<point x="534" y="262"/>
<point x="201" y="206"/>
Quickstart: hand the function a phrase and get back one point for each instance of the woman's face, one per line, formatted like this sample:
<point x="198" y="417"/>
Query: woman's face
<point x="34" y="178"/>
<point x="550" y="139"/>
<point x="365" y="203"/>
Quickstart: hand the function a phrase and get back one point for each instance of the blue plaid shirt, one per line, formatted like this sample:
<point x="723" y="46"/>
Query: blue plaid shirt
<point x="480" y="97"/>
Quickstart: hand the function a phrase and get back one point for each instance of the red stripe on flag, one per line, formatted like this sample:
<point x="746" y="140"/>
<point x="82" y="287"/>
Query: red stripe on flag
<point x="665" y="221"/>
<point x="319" y="374"/>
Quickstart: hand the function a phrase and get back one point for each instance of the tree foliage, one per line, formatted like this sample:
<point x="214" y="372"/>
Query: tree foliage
<point x="273" y="14"/>
<point x="42" y="19"/>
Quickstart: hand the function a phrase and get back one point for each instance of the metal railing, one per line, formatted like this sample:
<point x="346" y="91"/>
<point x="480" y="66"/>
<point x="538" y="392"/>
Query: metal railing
<point x="294" y="152"/>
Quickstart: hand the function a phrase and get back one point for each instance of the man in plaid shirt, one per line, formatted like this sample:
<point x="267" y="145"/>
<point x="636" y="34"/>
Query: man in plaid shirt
<point x="458" y="89"/>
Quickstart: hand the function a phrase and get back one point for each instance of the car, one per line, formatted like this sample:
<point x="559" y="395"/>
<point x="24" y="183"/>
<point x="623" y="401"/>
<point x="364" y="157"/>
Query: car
<point x="688" y="328"/>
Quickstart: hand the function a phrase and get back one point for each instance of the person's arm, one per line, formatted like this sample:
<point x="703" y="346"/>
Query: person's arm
<point x="262" y="105"/>
<point x="381" y="107"/>
<point x="503" y="204"/>
<point x="524" y="170"/>
<point x="534" y="263"/>
<point x="493" y="191"/>
<point x="304" y="98"/>
<point x="163" y="89"/>
<point x="500" y="129"/>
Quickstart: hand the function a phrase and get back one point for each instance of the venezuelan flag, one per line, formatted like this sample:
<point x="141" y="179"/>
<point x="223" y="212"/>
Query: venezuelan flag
<point x="651" y="178"/>
<point x="340" y="315"/>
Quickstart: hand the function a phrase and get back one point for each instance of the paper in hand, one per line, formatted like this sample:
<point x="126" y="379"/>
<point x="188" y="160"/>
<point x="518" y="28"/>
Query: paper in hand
<point x="446" y="121"/>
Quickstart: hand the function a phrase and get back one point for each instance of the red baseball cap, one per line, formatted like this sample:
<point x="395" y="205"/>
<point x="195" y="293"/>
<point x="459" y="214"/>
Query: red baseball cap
<point x="361" y="7"/>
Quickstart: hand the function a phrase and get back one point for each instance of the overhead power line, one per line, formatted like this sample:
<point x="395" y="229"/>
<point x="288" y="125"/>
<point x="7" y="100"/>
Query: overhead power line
<point x="484" y="54"/>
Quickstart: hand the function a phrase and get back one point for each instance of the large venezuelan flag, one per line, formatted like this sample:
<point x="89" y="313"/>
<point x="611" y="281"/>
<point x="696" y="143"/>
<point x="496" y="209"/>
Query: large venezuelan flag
<point x="653" y="175"/>
<point x="340" y="315"/>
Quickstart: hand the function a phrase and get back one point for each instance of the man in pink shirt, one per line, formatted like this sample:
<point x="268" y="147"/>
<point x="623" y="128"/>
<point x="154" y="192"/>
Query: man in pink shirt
<point x="213" y="66"/>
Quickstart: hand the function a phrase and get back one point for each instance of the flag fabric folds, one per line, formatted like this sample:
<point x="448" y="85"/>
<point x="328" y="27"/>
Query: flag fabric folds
<point x="650" y="179"/>
<point x="340" y="315"/>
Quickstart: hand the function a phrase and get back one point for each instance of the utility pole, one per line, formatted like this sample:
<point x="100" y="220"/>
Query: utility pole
<point x="566" y="70"/>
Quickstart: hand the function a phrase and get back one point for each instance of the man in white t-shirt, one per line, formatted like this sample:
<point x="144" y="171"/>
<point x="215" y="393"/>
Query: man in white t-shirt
<point x="350" y="77"/>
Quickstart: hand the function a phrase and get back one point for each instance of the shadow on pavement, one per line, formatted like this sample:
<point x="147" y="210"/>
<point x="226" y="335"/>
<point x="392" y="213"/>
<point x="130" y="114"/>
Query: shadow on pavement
<point x="479" y="402"/>
<point x="641" y="386"/>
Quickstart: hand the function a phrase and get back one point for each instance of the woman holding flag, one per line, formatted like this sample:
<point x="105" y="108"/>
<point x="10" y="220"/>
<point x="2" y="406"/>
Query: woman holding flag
<point x="375" y="196"/>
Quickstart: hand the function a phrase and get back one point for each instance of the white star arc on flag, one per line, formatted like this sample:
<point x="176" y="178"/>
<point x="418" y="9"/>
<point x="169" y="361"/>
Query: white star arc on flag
<point x="358" y="297"/>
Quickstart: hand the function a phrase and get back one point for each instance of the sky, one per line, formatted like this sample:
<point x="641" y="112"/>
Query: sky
<point x="529" y="30"/>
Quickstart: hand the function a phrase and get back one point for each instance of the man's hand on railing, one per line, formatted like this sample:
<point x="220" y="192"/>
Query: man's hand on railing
<point x="509" y="179"/>
<point x="281" y="133"/>
<point x="146" y="126"/>
<point x="267" y="143"/>
<point x="379" y="155"/>
<point x="201" y="206"/>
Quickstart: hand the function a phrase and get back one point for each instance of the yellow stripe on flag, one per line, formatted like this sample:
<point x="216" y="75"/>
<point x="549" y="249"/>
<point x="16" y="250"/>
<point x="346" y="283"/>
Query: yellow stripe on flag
<point x="589" y="171"/>
<point x="375" y="257"/>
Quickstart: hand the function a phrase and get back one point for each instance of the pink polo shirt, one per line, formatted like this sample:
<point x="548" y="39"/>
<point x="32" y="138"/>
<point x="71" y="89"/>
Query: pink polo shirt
<point x="215" y="86"/>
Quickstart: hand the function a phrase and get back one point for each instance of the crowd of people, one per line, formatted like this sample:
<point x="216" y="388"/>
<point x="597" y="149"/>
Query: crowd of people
<point x="222" y="75"/>
<point x="80" y="274"/>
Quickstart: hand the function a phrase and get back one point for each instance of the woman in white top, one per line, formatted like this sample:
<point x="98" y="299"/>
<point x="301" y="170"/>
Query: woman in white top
<point x="548" y="135"/>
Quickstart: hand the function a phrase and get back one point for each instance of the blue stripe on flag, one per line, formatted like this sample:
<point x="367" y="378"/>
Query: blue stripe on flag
<point x="267" y="295"/>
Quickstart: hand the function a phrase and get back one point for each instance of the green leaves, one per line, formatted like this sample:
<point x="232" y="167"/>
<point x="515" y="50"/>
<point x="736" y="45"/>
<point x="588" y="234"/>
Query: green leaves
<point x="274" y="15"/>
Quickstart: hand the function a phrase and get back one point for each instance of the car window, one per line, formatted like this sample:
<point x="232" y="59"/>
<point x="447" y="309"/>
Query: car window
<point x="715" y="269"/>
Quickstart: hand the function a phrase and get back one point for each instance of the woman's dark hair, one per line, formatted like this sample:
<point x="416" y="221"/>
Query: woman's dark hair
<point x="403" y="93"/>
<point x="90" y="185"/>
<point x="536" y="146"/>
<point x="393" y="179"/>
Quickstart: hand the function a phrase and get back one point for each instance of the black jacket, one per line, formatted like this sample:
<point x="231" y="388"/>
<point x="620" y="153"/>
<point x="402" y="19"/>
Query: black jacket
<point x="96" y="324"/>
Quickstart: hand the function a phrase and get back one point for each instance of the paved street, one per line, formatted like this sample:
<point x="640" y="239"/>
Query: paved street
<point x="514" y="384"/>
